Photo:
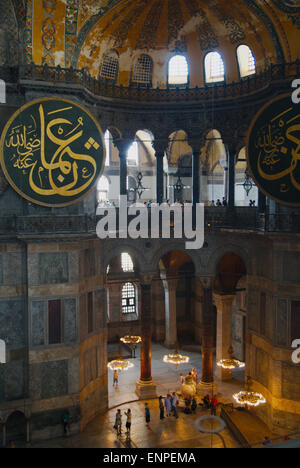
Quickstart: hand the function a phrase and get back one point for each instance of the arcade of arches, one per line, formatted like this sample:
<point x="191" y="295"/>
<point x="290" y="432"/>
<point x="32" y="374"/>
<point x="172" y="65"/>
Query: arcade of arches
<point x="174" y="85"/>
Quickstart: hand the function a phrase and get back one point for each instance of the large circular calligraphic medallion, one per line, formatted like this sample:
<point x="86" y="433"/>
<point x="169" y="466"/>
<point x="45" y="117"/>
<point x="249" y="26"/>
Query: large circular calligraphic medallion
<point x="52" y="152"/>
<point x="273" y="150"/>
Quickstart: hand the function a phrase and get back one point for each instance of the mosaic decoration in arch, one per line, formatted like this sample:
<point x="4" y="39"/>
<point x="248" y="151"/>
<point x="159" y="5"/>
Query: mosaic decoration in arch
<point x="28" y="32"/>
<point x="206" y="34"/>
<point x="234" y="30"/>
<point x="8" y="17"/>
<point x="235" y="8"/>
<point x="121" y="32"/>
<point x="20" y="11"/>
<point x="176" y="21"/>
<point x="269" y="25"/>
<point x="8" y="50"/>
<point x="71" y="22"/>
<point x="48" y="32"/>
<point x="147" y="38"/>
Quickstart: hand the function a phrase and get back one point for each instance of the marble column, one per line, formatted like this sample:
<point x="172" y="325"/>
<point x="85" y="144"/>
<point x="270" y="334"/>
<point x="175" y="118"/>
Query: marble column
<point x="170" y="285"/>
<point x="207" y="383"/>
<point x="224" y="305"/>
<point x="159" y="148"/>
<point x="231" y="178"/>
<point x="196" y="176"/>
<point x="145" y="387"/>
<point x="123" y="146"/>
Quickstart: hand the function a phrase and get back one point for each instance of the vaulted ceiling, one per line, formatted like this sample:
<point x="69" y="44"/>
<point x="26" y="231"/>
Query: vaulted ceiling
<point x="78" y="32"/>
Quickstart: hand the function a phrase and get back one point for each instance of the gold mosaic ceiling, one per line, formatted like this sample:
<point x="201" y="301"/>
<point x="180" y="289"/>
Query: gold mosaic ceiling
<point x="77" y="32"/>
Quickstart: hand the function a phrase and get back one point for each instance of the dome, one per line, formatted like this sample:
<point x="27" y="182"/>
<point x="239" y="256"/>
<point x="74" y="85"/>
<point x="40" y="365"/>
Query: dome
<point x="153" y="31"/>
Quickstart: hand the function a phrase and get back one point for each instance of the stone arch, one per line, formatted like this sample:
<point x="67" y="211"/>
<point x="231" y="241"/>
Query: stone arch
<point x="114" y="251"/>
<point x="174" y="246"/>
<point x="220" y="252"/>
<point x="16" y="427"/>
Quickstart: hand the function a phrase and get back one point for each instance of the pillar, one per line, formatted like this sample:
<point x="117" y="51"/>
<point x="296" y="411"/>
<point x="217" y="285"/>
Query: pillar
<point x="123" y="146"/>
<point x="207" y="383"/>
<point x="262" y="202"/>
<point x="170" y="285"/>
<point x="145" y="387"/>
<point x="224" y="305"/>
<point x="231" y="177"/>
<point x="159" y="148"/>
<point x="196" y="176"/>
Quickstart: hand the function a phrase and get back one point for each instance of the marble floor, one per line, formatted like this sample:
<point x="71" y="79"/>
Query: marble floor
<point x="168" y="433"/>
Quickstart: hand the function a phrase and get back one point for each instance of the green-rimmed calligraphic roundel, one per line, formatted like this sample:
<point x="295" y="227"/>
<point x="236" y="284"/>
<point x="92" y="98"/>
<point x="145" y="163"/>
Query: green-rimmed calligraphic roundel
<point x="52" y="152"/>
<point x="273" y="150"/>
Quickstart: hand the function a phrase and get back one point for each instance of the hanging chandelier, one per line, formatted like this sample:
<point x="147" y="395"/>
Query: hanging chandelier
<point x="249" y="398"/>
<point x="176" y="358"/>
<point x="120" y="364"/>
<point x="131" y="339"/>
<point x="230" y="363"/>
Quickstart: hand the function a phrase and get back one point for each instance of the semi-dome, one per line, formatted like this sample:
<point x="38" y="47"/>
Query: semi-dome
<point x="146" y="34"/>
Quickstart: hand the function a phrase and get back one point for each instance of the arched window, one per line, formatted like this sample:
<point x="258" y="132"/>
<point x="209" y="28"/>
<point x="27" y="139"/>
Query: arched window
<point x="107" y="139"/>
<point x="142" y="70"/>
<point x="246" y="61"/>
<point x="103" y="189"/>
<point x="2" y="352"/>
<point x="178" y="70"/>
<point x="133" y="154"/>
<point x="128" y="299"/>
<point x="126" y="262"/>
<point x="110" y="66"/>
<point x="214" y="68"/>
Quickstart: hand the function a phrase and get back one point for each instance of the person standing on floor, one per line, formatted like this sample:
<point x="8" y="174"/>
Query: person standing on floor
<point x="128" y="422"/>
<point x="116" y="378"/>
<point x="168" y="405"/>
<point x="161" y="408"/>
<point x="147" y="415"/>
<point x="213" y="405"/>
<point x="174" y="403"/>
<point x="118" y="423"/>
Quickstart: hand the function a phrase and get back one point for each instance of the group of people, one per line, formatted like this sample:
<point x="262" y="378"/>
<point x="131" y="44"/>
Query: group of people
<point x="168" y="404"/>
<point x="219" y="202"/>
<point x="118" y="422"/>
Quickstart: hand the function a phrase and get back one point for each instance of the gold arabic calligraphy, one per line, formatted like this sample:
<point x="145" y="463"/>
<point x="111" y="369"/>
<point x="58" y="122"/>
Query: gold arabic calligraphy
<point x="276" y="160"/>
<point x="46" y="177"/>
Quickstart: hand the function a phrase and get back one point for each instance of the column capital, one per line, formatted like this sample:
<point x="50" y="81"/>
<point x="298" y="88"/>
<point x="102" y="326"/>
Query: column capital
<point x="196" y="144"/>
<point x="160" y="147"/>
<point x="123" y="145"/>
<point x="223" y="301"/>
<point x="146" y="278"/>
<point x="207" y="281"/>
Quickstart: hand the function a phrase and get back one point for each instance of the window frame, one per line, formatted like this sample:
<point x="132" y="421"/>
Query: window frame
<point x="213" y="83"/>
<point x="178" y="85"/>
<point x="127" y="299"/>
<point x="107" y="79"/>
<point x="139" y="84"/>
<point x="246" y="77"/>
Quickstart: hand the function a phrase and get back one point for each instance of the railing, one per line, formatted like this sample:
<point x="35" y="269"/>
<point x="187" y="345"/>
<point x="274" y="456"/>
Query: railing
<point x="70" y="76"/>
<point x="242" y="219"/>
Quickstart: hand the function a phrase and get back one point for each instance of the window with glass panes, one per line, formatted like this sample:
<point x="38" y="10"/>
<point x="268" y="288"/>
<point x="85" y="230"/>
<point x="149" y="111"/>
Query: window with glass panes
<point x="126" y="261"/>
<point x="109" y="67"/>
<point x="128" y="299"/>
<point x="142" y="72"/>
<point x="214" y="67"/>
